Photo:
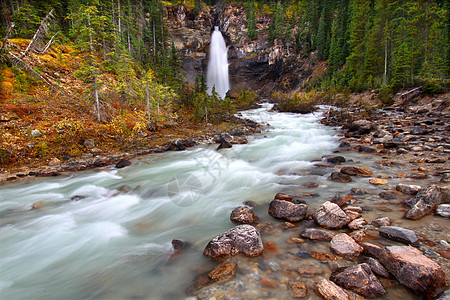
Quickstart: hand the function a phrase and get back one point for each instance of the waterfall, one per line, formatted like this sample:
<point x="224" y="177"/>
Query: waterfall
<point x="217" y="75"/>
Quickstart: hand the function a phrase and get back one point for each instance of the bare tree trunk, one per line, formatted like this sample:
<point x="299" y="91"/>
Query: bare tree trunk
<point x="42" y="28"/>
<point x="119" y="21"/>
<point x="154" y="41"/>
<point x="94" y="71"/>
<point x="7" y="36"/>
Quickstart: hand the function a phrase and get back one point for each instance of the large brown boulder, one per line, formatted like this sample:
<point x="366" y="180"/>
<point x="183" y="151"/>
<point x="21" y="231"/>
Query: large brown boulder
<point x="345" y="246"/>
<point x="244" y="215"/>
<point x="242" y="239"/>
<point x="361" y="280"/>
<point x="286" y="210"/>
<point x="424" y="203"/>
<point x="330" y="215"/>
<point x="414" y="270"/>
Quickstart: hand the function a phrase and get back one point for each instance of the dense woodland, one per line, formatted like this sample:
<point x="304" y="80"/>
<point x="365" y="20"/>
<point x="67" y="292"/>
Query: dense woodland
<point x="368" y="44"/>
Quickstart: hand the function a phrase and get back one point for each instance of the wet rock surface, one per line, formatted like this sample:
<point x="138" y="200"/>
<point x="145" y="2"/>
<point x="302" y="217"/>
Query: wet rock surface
<point x="399" y="234"/>
<point x="414" y="270"/>
<point x="424" y="202"/>
<point x="287" y="210"/>
<point x="345" y="246"/>
<point x="330" y="215"/>
<point x="244" y="215"/>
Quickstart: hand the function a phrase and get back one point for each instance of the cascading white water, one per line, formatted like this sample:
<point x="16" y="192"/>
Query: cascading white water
<point x="217" y="75"/>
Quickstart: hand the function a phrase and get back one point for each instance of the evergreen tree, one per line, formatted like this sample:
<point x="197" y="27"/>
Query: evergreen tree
<point x="251" y="20"/>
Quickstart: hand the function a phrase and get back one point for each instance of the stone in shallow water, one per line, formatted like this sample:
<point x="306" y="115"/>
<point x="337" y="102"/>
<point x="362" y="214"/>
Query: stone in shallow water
<point x="242" y="239"/>
<point x="399" y="234"/>
<point x="361" y="280"/>
<point x="345" y="246"/>
<point x="286" y="210"/>
<point x="424" y="202"/>
<point x="330" y="291"/>
<point x="385" y="221"/>
<point x="357" y="224"/>
<point x="244" y="215"/>
<point x="334" y="159"/>
<point x="340" y="177"/>
<point x="297" y="289"/>
<point x="330" y="215"/>
<point x="317" y="234"/>
<point x="378" y="181"/>
<point x="408" y="189"/>
<point x="414" y="270"/>
<point x="443" y="210"/>
<point x="377" y="267"/>
<point x="356" y="171"/>
<point x="372" y="249"/>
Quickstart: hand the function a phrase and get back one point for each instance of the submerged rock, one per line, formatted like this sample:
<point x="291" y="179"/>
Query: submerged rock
<point x="361" y="280"/>
<point x="330" y="215"/>
<point x="244" y="215"/>
<point x="345" y="246"/>
<point x="408" y="189"/>
<point x="317" y="234"/>
<point x="443" y="210"/>
<point x="356" y="171"/>
<point x="340" y="177"/>
<point x="286" y="210"/>
<point x="242" y="239"/>
<point x="330" y="291"/>
<point x="123" y="163"/>
<point x="334" y="159"/>
<point x="424" y="202"/>
<point x="414" y="270"/>
<point x="297" y="289"/>
<point x="399" y="234"/>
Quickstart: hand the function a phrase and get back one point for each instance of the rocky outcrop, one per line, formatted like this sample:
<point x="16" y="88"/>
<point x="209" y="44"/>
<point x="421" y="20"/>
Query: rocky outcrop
<point x="414" y="270"/>
<point x="330" y="215"/>
<point x="361" y="280"/>
<point x="244" y="215"/>
<point x="242" y="239"/>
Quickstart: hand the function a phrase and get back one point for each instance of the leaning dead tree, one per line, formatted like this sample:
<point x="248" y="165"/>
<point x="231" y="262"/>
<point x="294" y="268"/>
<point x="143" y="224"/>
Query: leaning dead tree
<point x="37" y="44"/>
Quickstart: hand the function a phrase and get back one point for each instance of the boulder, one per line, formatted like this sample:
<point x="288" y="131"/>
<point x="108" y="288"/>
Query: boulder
<point x="344" y="245"/>
<point x="317" y="234"/>
<point x="424" y="202"/>
<point x="385" y="221"/>
<point x="330" y="215"/>
<point x="286" y="210"/>
<point x="408" y="189"/>
<point x="361" y="280"/>
<point x="281" y="196"/>
<point x="225" y="141"/>
<point x="330" y="291"/>
<point x="244" y="215"/>
<point x="443" y="210"/>
<point x="362" y="126"/>
<point x="377" y="267"/>
<point x="356" y="171"/>
<point x="357" y="224"/>
<point x="334" y="159"/>
<point x="340" y="177"/>
<point x="123" y="163"/>
<point x="414" y="270"/>
<point x="242" y="239"/>
<point x="399" y="234"/>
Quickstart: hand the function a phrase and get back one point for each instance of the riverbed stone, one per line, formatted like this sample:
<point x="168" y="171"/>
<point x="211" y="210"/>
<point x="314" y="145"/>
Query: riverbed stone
<point x="362" y="126"/>
<point x="384" y="221"/>
<point x="344" y="245"/>
<point x="334" y="159"/>
<point x="317" y="234"/>
<point x="223" y="272"/>
<point x="330" y="215"/>
<point x="297" y="289"/>
<point x="356" y="171"/>
<point x="242" y="239"/>
<point x="357" y="224"/>
<point x="329" y="290"/>
<point x="408" y="189"/>
<point x="244" y="215"/>
<point x="416" y="130"/>
<point x="360" y="280"/>
<point x="378" y="181"/>
<point x="281" y="196"/>
<point x="414" y="270"/>
<point x="358" y="235"/>
<point x="353" y="212"/>
<point x="371" y="249"/>
<point x="424" y="203"/>
<point x="399" y="234"/>
<point x="443" y="210"/>
<point x="376" y="267"/>
<point x="123" y="163"/>
<point x="287" y="210"/>
<point x="340" y="177"/>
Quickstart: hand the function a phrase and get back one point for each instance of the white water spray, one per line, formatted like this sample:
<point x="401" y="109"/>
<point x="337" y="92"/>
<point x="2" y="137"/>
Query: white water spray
<point x="217" y="75"/>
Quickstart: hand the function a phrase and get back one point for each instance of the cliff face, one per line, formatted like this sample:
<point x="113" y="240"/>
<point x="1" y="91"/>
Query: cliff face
<point x="252" y="64"/>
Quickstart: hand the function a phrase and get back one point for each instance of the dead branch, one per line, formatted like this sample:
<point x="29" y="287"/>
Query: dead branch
<point x="39" y="35"/>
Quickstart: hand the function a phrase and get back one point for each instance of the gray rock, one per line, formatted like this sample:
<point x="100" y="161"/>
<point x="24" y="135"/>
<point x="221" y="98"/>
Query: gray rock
<point x="377" y="267"/>
<point x="408" y="189"/>
<point x="340" y="177"/>
<point x="399" y="234"/>
<point x="443" y="210"/>
<point x="89" y="143"/>
<point x="362" y="126"/>
<point x="344" y="245"/>
<point x="317" y="234"/>
<point x="334" y="159"/>
<point x="424" y="202"/>
<point x="286" y="210"/>
<point x="242" y="239"/>
<point x="330" y="215"/>
<point x="36" y="133"/>
<point x="416" y="130"/>
<point x="123" y="163"/>
<point x="361" y="280"/>
<point x="414" y="270"/>
<point x="244" y="215"/>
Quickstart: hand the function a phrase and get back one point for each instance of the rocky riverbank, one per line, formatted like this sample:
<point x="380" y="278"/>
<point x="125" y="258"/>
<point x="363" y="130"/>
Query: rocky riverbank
<point x="384" y="234"/>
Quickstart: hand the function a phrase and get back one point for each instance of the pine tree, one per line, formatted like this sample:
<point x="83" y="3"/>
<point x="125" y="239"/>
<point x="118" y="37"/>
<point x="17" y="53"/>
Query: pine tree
<point x="251" y="20"/>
